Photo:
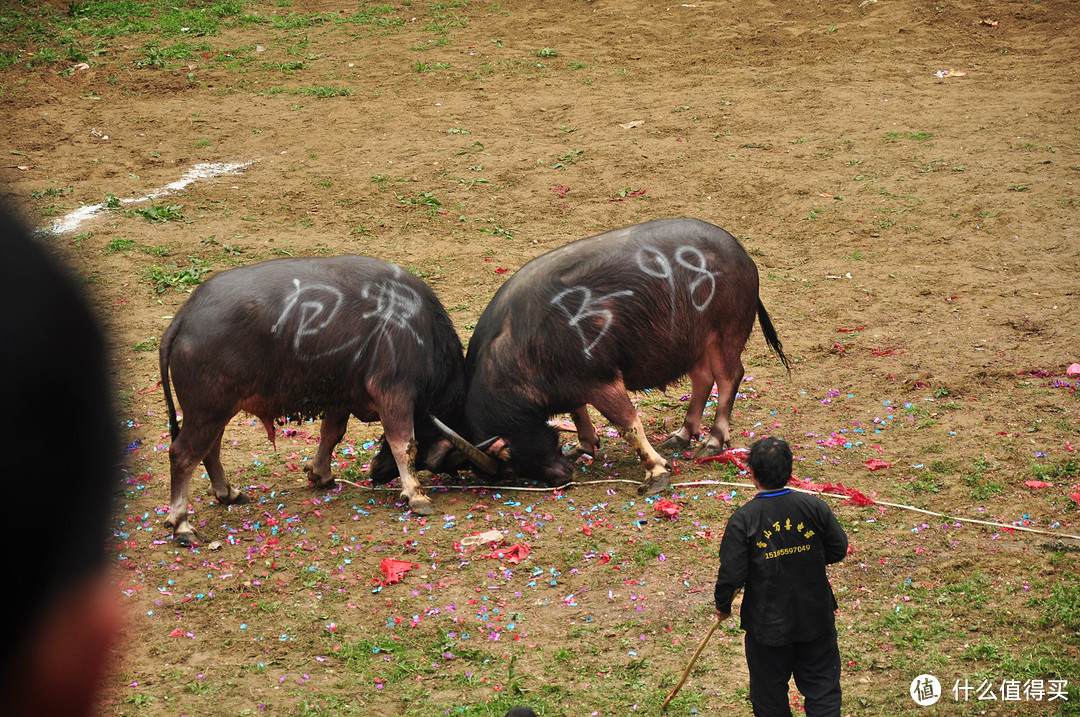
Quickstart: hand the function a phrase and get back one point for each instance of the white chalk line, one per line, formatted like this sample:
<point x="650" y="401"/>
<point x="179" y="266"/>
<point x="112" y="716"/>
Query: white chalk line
<point x="72" y="221"/>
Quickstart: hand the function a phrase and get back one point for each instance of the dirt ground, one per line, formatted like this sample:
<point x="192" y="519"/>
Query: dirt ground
<point x="905" y="174"/>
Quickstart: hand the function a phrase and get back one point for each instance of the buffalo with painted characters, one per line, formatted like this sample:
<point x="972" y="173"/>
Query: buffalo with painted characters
<point x="630" y="309"/>
<point x="325" y="337"/>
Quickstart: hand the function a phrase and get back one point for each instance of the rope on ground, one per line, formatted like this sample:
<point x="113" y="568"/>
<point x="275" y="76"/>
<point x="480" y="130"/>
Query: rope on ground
<point x="901" y="506"/>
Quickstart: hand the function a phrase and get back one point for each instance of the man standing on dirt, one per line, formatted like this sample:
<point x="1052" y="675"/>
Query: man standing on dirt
<point x="777" y="547"/>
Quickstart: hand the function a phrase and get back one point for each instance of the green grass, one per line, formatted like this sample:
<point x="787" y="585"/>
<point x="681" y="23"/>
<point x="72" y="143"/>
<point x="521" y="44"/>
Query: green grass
<point x="119" y="245"/>
<point x="180" y="278"/>
<point x="917" y="136"/>
<point x="1061" y="608"/>
<point x="155" y="213"/>
<point x="1064" y="470"/>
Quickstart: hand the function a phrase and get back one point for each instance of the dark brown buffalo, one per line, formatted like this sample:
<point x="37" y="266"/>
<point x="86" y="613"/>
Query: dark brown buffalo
<point x="329" y="337"/>
<point x="630" y="309"/>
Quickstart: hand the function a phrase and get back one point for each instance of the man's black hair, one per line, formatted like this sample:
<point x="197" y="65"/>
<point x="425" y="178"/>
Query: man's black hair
<point x="770" y="459"/>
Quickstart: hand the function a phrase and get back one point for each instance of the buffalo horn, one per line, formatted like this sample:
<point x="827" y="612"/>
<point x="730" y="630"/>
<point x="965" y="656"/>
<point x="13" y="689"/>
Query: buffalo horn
<point x="476" y="456"/>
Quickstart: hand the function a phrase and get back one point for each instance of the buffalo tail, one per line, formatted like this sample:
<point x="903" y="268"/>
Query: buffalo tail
<point x="164" y="350"/>
<point x="766" y="328"/>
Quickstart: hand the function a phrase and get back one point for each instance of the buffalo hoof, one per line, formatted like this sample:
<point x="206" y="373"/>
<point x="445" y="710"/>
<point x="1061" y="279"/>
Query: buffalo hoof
<point x="317" y="480"/>
<point x="655" y="484"/>
<point x="235" y="497"/>
<point x="420" y="504"/>
<point x="672" y="444"/>
<point x="185" y="539"/>
<point x="185" y="535"/>
<point x="707" y="450"/>
<point x="584" y="450"/>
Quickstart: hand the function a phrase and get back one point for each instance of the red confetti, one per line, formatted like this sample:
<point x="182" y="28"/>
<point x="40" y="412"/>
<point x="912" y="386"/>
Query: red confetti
<point x="848" y="331"/>
<point x="628" y="195"/>
<point x="877" y="464"/>
<point x="666" y="506"/>
<point x="855" y="496"/>
<point x="560" y="191"/>
<point x="1038" y="484"/>
<point x="737" y="456"/>
<point x="151" y="389"/>
<point x="394" y="570"/>
<point x="514" y="554"/>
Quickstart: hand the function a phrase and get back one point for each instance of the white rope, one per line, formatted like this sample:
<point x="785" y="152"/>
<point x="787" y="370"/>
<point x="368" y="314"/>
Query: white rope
<point x="737" y="485"/>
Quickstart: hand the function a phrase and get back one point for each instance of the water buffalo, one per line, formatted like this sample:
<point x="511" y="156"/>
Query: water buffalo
<point x="329" y="337"/>
<point x="630" y="309"/>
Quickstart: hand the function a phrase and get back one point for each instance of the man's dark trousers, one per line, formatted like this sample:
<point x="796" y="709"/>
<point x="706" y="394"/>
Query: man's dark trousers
<point x="816" y="666"/>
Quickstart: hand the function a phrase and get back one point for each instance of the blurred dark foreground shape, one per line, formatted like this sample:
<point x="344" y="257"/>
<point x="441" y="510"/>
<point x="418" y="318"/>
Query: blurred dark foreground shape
<point x="58" y="435"/>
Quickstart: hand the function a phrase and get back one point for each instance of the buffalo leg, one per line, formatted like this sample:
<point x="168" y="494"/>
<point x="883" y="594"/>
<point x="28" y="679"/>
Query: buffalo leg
<point x="225" y="493"/>
<point x="614" y="404"/>
<point x="193" y="444"/>
<point x="331" y="433"/>
<point x="728" y="373"/>
<point x="588" y="440"/>
<point x="701" y="383"/>
<point x="399" y="434"/>
<point x="383" y="468"/>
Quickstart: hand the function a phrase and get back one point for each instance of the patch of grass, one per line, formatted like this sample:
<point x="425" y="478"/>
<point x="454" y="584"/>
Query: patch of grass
<point x="1061" y="608"/>
<point x="155" y="213"/>
<point x="572" y="157"/>
<point x="1064" y="470"/>
<point x="922" y="484"/>
<point x="429" y="66"/>
<point x="180" y="278"/>
<point x="917" y="136"/>
<point x="324" y="91"/>
<point x="119" y="244"/>
<point x="424" y="199"/>
<point x="50" y="192"/>
<point x="982" y="486"/>
<point x="496" y="230"/>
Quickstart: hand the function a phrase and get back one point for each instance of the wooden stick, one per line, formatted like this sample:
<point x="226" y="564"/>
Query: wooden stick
<point x="686" y="672"/>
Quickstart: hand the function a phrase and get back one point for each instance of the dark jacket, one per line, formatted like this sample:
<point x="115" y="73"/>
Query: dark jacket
<point x="777" y="546"/>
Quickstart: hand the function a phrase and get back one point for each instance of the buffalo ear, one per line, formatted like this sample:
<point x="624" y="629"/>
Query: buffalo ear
<point x="482" y="461"/>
